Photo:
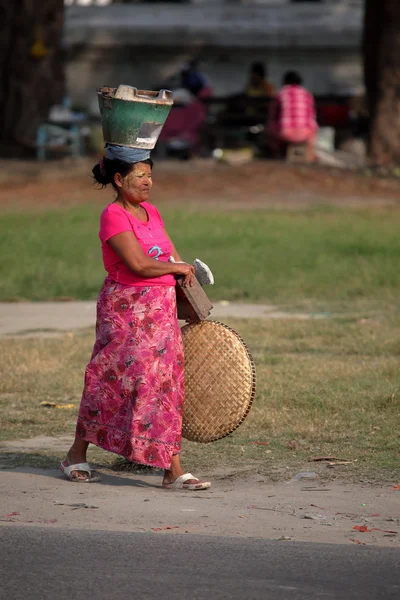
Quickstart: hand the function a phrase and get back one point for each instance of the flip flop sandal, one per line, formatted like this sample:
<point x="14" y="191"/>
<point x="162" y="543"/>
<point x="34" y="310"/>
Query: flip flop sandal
<point x="67" y="470"/>
<point x="180" y="483"/>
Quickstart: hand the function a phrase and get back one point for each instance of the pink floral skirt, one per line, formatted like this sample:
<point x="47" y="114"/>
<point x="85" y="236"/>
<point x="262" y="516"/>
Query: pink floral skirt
<point x="132" y="401"/>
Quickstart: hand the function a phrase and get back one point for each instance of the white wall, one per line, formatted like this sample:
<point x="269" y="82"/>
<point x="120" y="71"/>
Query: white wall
<point x="142" y="44"/>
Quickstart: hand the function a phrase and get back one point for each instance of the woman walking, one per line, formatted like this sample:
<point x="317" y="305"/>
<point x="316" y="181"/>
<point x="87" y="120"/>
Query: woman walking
<point x="133" y="396"/>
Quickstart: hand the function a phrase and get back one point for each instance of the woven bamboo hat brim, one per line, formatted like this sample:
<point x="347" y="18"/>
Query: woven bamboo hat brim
<point x="220" y="381"/>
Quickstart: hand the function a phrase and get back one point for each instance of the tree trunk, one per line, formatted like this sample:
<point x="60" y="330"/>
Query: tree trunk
<point x="31" y="70"/>
<point x="382" y="78"/>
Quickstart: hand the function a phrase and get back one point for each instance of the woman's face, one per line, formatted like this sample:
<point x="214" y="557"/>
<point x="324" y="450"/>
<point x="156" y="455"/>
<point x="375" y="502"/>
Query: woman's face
<point x="135" y="187"/>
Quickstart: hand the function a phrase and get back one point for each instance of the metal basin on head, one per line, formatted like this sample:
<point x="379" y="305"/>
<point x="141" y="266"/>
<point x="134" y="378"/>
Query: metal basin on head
<point x="132" y="117"/>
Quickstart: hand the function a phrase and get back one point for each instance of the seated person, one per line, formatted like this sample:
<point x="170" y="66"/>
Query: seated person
<point x="292" y="118"/>
<point x="258" y="87"/>
<point x="194" y="81"/>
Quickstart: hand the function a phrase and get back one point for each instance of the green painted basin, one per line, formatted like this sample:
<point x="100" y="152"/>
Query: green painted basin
<point x="132" y="117"/>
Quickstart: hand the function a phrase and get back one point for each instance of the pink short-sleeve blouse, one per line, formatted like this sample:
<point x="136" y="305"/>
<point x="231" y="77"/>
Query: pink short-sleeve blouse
<point x="151" y="237"/>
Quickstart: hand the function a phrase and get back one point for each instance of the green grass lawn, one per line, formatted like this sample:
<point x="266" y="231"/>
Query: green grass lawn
<point x="325" y="387"/>
<point x="323" y="258"/>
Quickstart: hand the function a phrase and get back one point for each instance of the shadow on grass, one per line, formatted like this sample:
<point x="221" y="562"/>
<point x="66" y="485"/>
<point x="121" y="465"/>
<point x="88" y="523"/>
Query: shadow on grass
<point x="48" y="466"/>
<point x="14" y="460"/>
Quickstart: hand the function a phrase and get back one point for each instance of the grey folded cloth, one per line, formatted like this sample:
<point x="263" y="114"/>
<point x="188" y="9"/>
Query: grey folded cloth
<point x="202" y="271"/>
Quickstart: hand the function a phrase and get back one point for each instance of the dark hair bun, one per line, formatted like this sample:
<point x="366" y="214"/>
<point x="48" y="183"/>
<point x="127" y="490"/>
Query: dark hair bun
<point x="101" y="174"/>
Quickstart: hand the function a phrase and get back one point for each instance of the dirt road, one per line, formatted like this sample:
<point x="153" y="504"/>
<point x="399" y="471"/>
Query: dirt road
<point x="236" y="505"/>
<point x="259" y="184"/>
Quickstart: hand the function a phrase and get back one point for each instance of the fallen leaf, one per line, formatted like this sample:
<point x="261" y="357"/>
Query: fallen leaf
<point x="316" y="506"/>
<point x="55" y="405"/>
<point x="358" y="542"/>
<point x="365" y="529"/>
<point x="13" y="514"/>
<point x="396" y="487"/>
<point x="362" y="529"/>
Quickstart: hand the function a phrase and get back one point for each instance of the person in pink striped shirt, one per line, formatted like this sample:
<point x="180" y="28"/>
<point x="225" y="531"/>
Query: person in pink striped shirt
<point x="292" y="117"/>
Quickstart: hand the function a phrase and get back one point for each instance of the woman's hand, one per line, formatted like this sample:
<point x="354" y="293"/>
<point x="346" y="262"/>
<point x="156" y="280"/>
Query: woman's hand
<point x="187" y="271"/>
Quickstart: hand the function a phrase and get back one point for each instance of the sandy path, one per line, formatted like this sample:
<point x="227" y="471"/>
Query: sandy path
<point x="49" y="318"/>
<point x="236" y="505"/>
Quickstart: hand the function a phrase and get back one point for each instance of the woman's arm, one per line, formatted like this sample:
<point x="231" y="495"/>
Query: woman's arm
<point x="129" y="250"/>
<point x="189" y="280"/>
